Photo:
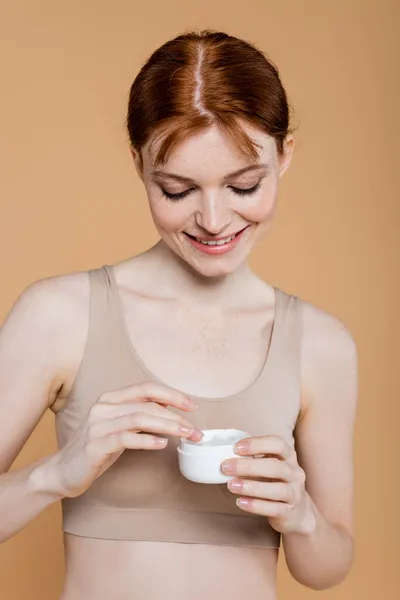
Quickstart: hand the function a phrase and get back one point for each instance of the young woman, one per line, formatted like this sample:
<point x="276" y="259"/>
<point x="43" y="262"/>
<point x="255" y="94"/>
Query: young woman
<point x="183" y="337"/>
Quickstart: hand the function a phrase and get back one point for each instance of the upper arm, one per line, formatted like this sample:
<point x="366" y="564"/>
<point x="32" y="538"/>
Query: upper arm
<point x="324" y="432"/>
<point x="39" y="344"/>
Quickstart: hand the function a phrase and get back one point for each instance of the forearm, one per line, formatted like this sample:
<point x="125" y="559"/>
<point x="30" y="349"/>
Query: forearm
<point x="321" y="556"/>
<point x="24" y="493"/>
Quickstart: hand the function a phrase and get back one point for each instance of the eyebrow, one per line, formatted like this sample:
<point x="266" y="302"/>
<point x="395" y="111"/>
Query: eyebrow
<point x="255" y="167"/>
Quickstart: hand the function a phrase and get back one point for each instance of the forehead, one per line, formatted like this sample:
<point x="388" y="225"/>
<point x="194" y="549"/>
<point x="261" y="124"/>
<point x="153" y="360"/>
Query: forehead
<point x="211" y="154"/>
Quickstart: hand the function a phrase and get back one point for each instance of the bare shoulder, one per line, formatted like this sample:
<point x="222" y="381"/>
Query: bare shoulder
<point x="324" y="432"/>
<point x="328" y="358"/>
<point x="57" y="295"/>
<point x="324" y="332"/>
<point x="51" y="315"/>
<point x="42" y="341"/>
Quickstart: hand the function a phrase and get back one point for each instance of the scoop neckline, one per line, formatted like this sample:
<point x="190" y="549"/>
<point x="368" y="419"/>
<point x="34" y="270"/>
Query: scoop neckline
<point x="146" y="371"/>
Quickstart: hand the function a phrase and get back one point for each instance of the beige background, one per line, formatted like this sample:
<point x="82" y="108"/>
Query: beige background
<point x="69" y="200"/>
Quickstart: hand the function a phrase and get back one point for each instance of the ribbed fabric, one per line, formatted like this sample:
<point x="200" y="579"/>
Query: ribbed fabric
<point x="143" y="496"/>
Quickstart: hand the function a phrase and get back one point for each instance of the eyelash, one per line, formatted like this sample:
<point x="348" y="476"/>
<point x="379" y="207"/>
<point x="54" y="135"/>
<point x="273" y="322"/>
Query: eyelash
<point x="238" y="191"/>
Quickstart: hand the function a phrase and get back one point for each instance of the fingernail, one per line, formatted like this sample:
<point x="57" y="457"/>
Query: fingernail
<point x="235" y="486"/>
<point x="190" y="402"/>
<point x="194" y="434"/>
<point x="160" y="442"/>
<point x="242" y="446"/>
<point x="228" y="467"/>
<point x="185" y="430"/>
<point x="197" y="434"/>
<point x="243" y="502"/>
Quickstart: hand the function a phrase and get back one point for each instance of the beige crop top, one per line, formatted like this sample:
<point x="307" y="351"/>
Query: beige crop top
<point x="143" y="495"/>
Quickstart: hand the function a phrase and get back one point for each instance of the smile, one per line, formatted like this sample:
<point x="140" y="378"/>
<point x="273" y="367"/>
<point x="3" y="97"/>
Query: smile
<point x="216" y="246"/>
<point x="218" y="242"/>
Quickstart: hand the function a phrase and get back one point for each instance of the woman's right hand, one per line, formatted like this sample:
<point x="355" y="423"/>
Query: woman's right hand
<point x="131" y="417"/>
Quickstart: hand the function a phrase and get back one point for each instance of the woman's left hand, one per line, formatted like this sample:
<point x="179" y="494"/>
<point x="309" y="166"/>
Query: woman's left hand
<point x="279" y="492"/>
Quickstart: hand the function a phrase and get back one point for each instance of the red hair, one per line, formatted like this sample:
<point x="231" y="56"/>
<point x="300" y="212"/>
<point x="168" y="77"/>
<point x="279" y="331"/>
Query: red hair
<point x="199" y="79"/>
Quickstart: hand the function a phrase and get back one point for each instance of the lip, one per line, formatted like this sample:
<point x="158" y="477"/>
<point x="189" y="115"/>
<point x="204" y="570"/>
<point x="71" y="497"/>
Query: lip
<point x="213" y="238"/>
<point x="216" y="250"/>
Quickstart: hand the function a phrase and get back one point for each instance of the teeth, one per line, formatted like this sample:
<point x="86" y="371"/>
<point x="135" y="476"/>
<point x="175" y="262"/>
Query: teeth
<point x="219" y="242"/>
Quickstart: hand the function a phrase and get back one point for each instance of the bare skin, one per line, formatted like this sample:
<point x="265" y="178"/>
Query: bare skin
<point x="212" y="311"/>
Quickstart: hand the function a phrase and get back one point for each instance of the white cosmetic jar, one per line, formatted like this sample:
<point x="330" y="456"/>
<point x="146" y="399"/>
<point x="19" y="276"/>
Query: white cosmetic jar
<point x="201" y="461"/>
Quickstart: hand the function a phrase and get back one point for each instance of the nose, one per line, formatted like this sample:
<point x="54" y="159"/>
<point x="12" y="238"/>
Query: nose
<point x="213" y="215"/>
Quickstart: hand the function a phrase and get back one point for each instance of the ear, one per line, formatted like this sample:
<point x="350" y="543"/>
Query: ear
<point x="138" y="161"/>
<point x="286" y="157"/>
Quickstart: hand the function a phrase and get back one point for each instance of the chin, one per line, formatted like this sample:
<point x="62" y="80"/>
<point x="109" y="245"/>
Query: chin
<point x="209" y="266"/>
<point x="216" y="268"/>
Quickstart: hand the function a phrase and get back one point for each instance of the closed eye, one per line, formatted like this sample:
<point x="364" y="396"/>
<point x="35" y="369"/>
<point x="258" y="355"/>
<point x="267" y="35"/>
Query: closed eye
<point x="238" y="191"/>
<point x="246" y="191"/>
<point x="179" y="196"/>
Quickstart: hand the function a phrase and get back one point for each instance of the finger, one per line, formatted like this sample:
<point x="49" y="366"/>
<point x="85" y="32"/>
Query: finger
<point x="265" y="490"/>
<point x="270" y="444"/>
<point x="269" y="468"/>
<point x="263" y="507"/>
<point x="142" y="421"/>
<point x="150" y="390"/>
<point x="105" y="410"/>
<point x="165" y="412"/>
<point x="99" y="448"/>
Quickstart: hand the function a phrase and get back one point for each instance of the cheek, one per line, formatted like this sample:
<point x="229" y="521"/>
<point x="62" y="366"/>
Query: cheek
<point x="168" y="216"/>
<point x="263" y="207"/>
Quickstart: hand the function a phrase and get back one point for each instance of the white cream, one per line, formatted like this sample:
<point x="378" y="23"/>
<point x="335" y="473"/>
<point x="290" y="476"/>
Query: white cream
<point x="201" y="461"/>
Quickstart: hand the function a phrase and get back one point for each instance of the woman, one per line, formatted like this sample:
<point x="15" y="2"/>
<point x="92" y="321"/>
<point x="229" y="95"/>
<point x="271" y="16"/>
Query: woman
<point x="182" y="338"/>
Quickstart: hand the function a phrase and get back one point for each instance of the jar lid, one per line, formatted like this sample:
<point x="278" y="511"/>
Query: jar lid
<point x="213" y="440"/>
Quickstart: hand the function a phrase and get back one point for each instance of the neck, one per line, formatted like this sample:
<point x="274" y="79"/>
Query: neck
<point x="175" y="277"/>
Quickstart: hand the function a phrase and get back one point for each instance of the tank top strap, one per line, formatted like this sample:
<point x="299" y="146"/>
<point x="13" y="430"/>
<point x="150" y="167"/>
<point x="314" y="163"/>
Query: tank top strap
<point x="288" y="317"/>
<point x="104" y="324"/>
<point x="286" y="350"/>
<point x="101" y="341"/>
